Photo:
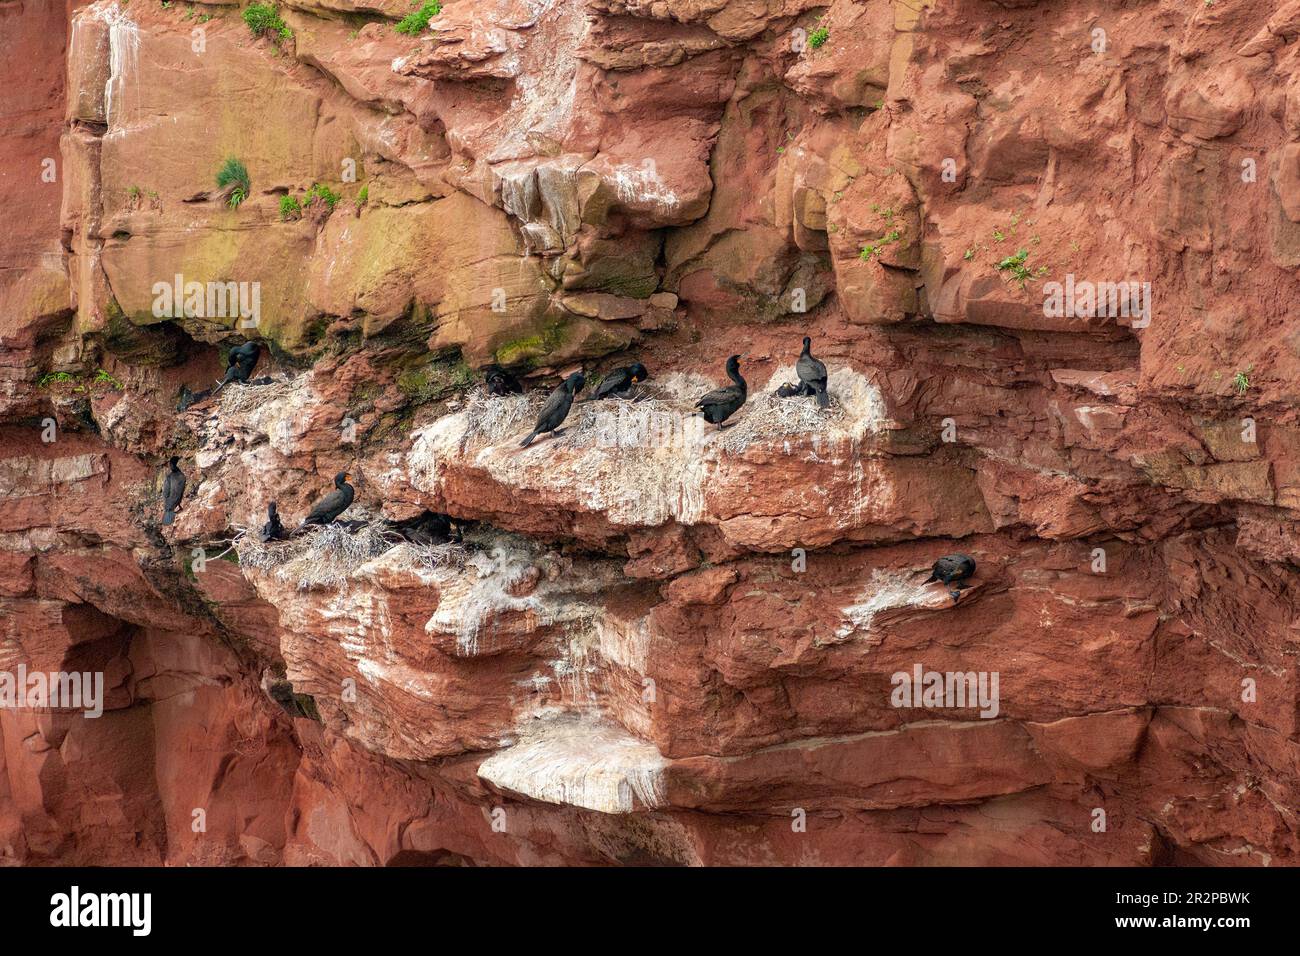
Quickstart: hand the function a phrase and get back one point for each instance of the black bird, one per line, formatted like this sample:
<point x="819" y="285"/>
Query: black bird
<point x="189" y="398"/>
<point x="429" y="527"/>
<point x="333" y="504"/>
<point x="812" y="374"/>
<point x="721" y="403"/>
<point x="173" y="490"/>
<point x="273" y="530"/>
<point x="501" y="382"/>
<point x="240" y="363"/>
<point x="618" y="383"/>
<point x="952" y="569"/>
<point x="556" y="409"/>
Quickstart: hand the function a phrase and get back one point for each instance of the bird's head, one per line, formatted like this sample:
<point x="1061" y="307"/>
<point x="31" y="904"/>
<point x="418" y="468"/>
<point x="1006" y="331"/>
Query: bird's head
<point x="639" y="374"/>
<point x="575" y="382"/>
<point x="807" y="343"/>
<point x="173" y="461"/>
<point x="271" y="510"/>
<point x="733" y="363"/>
<point x="341" y="479"/>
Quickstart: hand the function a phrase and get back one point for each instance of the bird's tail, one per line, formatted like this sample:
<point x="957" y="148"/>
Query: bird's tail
<point x="529" y="440"/>
<point x="932" y="577"/>
<point x="168" y="516"/>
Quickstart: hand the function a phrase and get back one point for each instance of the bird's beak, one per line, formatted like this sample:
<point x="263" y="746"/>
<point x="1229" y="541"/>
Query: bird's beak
<point x="347" y="477"/>
<point x="635" y="379"/>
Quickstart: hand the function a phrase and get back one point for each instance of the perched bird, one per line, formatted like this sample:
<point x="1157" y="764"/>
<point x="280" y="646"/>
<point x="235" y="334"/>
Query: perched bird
<point x="721" y="403"/>
<point x="273" y="530"/>
<point x="618" y="383"/>
<point x="189" y="397"/>
<point x="501" y="382"/>
<point x="812" y="373"/>
<point x="333" y="504"/>
<point x="173" y="490"/>
<point x="240" y="363"/>
<point x="952" y="569"/>
<point x="556" y="409"/>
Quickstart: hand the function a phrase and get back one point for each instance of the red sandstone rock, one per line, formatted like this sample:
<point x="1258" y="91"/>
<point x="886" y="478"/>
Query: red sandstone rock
<point x="662" y="643"/>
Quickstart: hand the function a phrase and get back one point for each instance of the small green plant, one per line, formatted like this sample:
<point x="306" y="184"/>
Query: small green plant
<point x="970" y="254"/>
<point x="1018" y="269"/>
<point x="78" y="383"/>
<point x="817" y="39"/>
<point x="134" y="192"/>
<point x="234" y="173"/>
<point x="204" y="17"/>
<point x="290" y="207"/>
<point x="264" y="18"/>
<point x="416" y="21"/>
<point x="327" y="195"/>
<point x="363" y="195"/>
<point x="1241" y="381"/>
<point x="873" y="249"/>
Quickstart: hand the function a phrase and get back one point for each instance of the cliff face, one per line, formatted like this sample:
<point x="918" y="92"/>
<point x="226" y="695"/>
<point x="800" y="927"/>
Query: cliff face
<point x="658" y="643"/>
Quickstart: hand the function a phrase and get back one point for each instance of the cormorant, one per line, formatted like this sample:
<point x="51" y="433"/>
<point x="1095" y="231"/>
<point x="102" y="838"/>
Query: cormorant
<point x="273" y="530"/>
<point x="189" y="398"/>
<point x="333" y="504"/>
<point x="721" y="403"/>
<point x="501" y="382"/>
<point x="429" y="527"/>
<point x="556" y="409"/>
<point x="618" y="383"/>
<point x="812" y="373"/>
<point x="173" y="490"/>
<point x="240" y="363"/>
<point x="952" y="569"/>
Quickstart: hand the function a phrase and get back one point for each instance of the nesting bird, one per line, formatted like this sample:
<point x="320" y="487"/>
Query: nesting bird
<point x="721" y="403"/>
<point x="618" y="383"/>
<point x="240" y="362"/>
<point x="812" y="373"/>
<point x="333" y="504"/>
<point x="952" y="569"/>
<point x="812" y="377"/>
<point x="501" y="382"/>
<point x="430" y="528"/>
<point x="273" y="530"/>
<point x="173" y="490"/>
<point x="556" y="409"/>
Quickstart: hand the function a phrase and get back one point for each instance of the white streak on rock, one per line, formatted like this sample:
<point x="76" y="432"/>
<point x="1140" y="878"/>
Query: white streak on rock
<point x="581" y="762"/>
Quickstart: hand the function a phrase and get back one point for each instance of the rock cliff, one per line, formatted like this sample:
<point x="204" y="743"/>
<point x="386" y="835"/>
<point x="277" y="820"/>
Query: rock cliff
<point x="1048" y="253"/>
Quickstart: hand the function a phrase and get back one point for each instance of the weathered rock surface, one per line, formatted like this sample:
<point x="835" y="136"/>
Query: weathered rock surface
<point x="659" y="642"/>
